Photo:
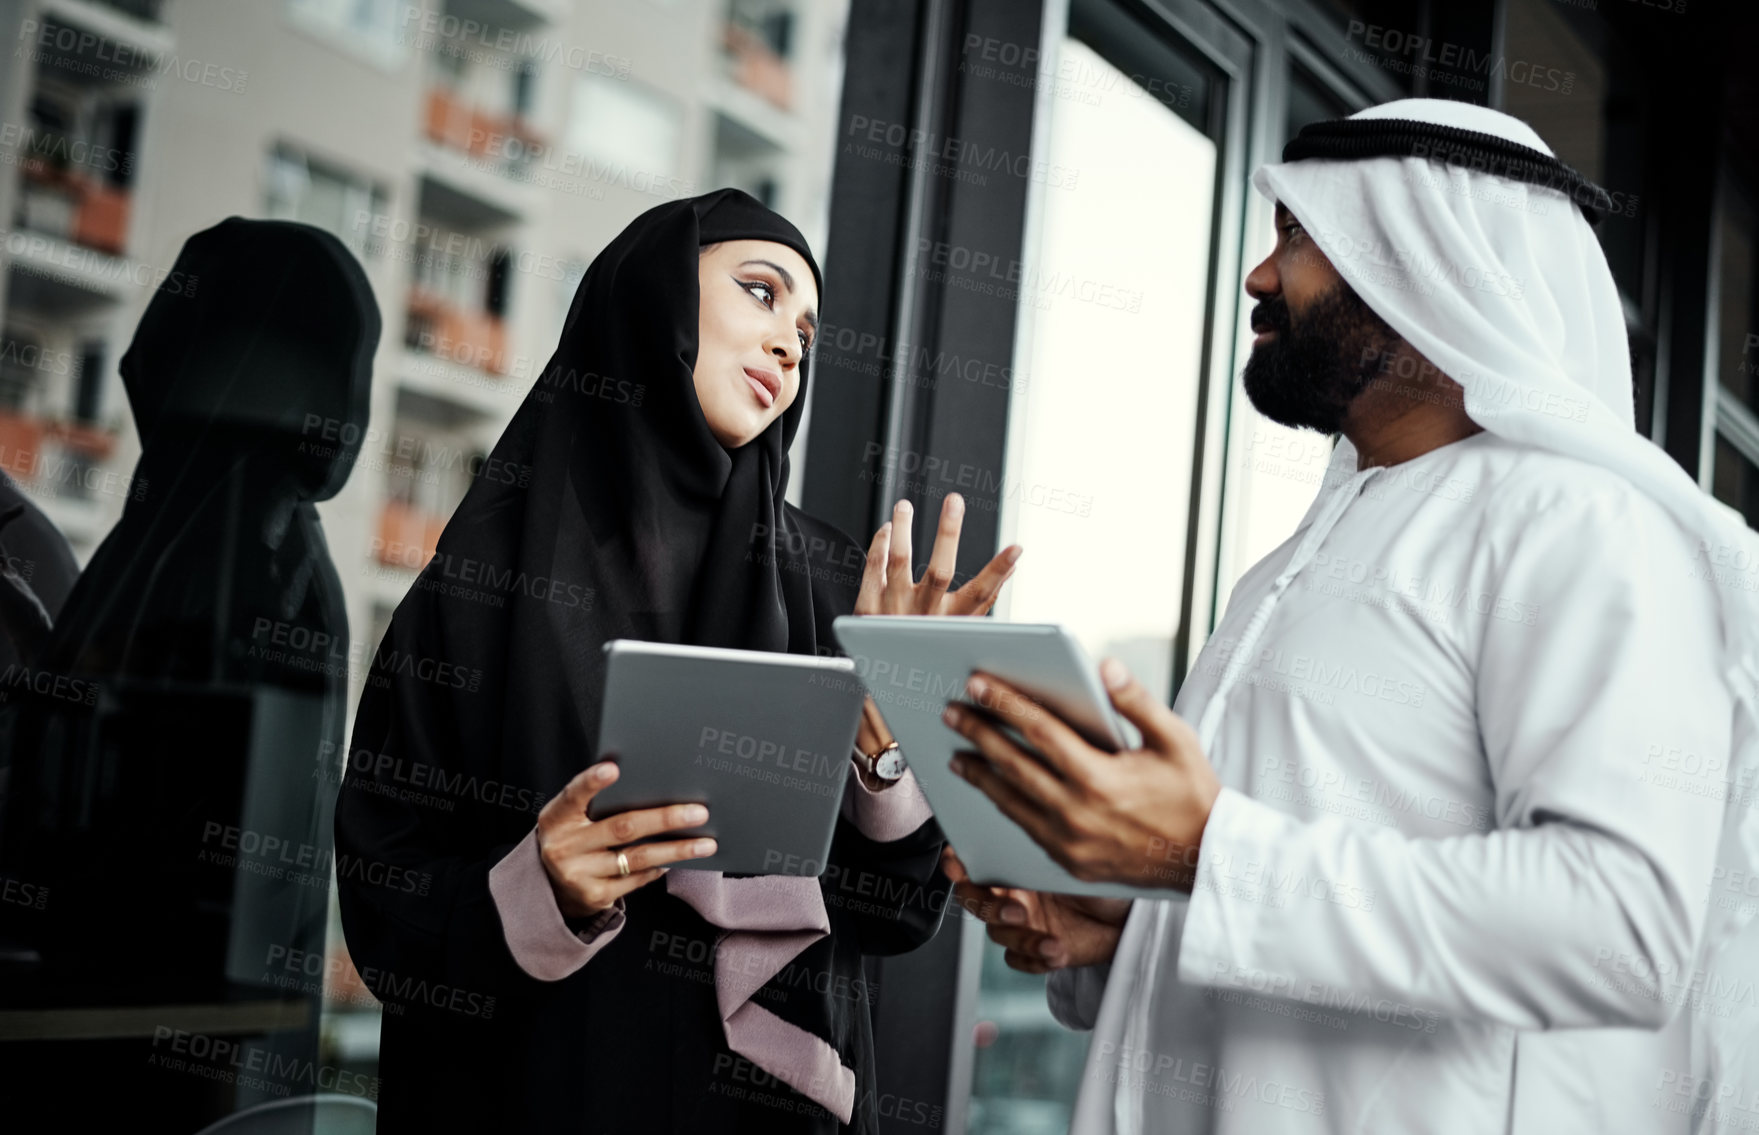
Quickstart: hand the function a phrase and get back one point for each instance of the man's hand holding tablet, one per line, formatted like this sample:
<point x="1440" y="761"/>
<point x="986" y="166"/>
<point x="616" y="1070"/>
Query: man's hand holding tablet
<point x="1040" y="932"/>
<point x="1134" y="817"/>
<point x="1113" y="816"/>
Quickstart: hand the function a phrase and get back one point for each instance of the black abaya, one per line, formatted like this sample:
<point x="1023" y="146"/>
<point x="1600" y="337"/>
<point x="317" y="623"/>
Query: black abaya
<point x="607" y="510"/>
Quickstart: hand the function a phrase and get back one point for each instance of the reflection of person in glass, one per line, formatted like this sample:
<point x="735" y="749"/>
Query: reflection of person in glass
<point x="541" y="983"/>
<point x="1443" y="874"/>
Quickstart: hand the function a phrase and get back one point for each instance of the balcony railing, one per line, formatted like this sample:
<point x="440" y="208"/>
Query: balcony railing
<point x="74" y="206"/>
<point x="754" y="65"/>
<point x="504" y="142"/>
<point x="438" y="327"/>
<point x="52" y="456"/>
<point x="408" y="535"/>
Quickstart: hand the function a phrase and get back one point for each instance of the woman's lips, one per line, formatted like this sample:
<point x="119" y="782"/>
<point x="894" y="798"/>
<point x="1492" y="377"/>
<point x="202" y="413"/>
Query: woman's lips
<point x="764" y="384"/>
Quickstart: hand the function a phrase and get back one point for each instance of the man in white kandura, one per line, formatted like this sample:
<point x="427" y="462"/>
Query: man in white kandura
<point x="1460" y="791"/>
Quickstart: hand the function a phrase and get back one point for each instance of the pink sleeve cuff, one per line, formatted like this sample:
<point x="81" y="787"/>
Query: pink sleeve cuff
<point x="532" y="923"/>
<point x="890" y="813"/>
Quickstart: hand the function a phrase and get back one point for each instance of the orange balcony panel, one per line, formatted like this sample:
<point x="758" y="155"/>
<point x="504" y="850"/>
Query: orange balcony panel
<point x="758" y="68"/>
<point x="102" y="220"/>
<point x="448" y="120"/>
<point x="84" y="439"/>
<point x="21" y="444"/>
<point x="487" y="134"/>
<point x="474" y="339"/>
<point x="426" y="305"/>
<point x="494" y="340"/>
<point x="403" y="536"/>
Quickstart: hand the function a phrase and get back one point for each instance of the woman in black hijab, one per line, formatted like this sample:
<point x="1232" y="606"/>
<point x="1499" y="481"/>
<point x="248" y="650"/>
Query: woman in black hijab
<point x="637" y="493"/>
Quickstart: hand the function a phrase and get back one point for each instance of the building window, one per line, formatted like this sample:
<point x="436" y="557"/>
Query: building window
<point x="633" y="132"/>
<point x="338" y="202"/>
<point x="373" y="30"/>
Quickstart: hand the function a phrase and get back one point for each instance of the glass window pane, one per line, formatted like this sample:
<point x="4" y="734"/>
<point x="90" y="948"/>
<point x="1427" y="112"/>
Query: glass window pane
<point x="1310" y="101"/>
<point x="1571" y="75"/>
<point x="1100" y="458"/>
<point x="1118" y="322"/>
<point x="1738" y="331"/>
<point x="1735" y="481"/>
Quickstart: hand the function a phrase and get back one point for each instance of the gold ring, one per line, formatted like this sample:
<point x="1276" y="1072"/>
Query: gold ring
<point x="622" y="864"/>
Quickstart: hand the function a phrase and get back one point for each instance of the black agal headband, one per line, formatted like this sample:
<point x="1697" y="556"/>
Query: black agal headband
<point x="1356" y="139"/>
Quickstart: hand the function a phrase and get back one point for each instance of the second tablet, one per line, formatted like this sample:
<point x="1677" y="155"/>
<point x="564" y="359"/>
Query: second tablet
<point x="763" y="739"/>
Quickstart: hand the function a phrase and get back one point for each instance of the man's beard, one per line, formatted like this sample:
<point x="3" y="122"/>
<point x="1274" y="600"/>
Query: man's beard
<point x="1306" y="377"/>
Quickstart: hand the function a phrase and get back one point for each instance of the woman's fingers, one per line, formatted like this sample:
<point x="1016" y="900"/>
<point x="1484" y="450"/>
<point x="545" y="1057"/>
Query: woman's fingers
<point x="871" y="599"/>
<point x="627" y="827"/>
<point x="594" y="879"/>
<point x="568" y="807"/>
<point x="900" y="574"/>
<point x="943" y="559"/>
<point x="983" y="589"/>
<point x="603" y="864"/>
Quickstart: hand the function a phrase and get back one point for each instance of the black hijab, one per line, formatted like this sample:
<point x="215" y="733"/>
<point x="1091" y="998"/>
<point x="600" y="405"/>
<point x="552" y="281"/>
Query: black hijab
<point x="249" y="388"/>
<point x="635" y="522"/>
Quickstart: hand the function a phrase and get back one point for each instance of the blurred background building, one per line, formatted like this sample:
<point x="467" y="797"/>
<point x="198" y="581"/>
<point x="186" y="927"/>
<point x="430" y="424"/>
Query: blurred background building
<point x="474" y="154"/>
<point x="1035" y="220"/>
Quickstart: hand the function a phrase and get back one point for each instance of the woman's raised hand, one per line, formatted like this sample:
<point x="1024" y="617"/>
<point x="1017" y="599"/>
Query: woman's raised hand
<point x="580" y="855"/>
<point x="888" y="586"/>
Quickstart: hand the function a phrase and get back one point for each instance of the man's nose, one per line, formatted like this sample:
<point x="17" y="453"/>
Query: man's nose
<point x="1262" y="282"/>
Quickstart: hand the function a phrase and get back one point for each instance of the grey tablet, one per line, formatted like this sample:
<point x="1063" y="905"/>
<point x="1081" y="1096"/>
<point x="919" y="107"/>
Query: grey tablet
<point x="914" y="665"/>
<point x="762" y="738"/>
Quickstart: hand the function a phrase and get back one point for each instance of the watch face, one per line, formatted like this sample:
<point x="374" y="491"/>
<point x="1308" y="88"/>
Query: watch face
<point x="890" y="765"/>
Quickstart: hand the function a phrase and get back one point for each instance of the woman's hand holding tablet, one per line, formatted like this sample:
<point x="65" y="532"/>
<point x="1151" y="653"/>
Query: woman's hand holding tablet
<point x="581" y="855"/>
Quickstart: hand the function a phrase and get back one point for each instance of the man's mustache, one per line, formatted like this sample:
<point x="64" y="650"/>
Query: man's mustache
<point x="1271" y="315"/>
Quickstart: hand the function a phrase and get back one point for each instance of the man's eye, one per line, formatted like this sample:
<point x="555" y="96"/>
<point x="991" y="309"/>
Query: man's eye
<point x="1293" y="227"/>
<point x="769" y="294"/>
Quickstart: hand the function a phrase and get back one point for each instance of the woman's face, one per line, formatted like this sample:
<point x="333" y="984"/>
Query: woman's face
<point x="757" y="317"/>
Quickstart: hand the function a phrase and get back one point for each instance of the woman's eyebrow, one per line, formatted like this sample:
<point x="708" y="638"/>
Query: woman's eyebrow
<point x="787" y="279"/>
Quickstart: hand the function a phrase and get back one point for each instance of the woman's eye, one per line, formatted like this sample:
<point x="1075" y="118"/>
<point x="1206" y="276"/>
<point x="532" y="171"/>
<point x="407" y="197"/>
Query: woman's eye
<point x="805" y="343"/>
<point x="769" y="294"/>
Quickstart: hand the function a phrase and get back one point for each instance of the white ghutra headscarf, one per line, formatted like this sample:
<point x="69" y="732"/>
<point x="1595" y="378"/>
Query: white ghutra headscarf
<point x="1458" y="227"/>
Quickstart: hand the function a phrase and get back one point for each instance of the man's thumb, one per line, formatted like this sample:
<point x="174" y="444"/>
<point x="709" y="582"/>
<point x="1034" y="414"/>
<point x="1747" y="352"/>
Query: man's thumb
<point x="1158" y="724"/>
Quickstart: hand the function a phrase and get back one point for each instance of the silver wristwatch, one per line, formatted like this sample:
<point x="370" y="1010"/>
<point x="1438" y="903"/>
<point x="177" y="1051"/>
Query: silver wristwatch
<point x="887" y="764"/>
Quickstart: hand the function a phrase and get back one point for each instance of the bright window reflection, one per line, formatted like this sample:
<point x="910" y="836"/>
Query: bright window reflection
<point x="1100" y="444"/>
<point x="1100" y="460"/>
